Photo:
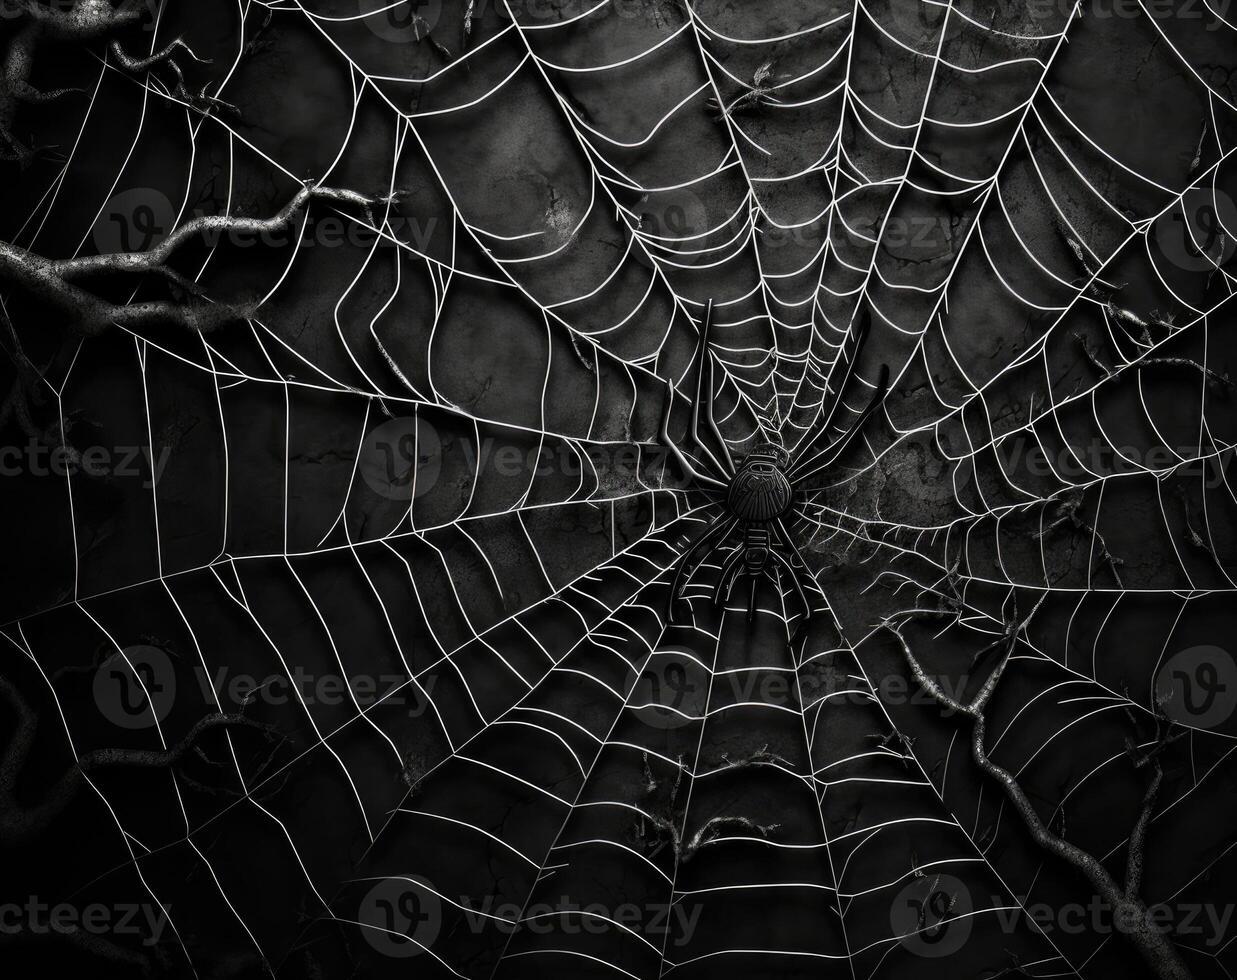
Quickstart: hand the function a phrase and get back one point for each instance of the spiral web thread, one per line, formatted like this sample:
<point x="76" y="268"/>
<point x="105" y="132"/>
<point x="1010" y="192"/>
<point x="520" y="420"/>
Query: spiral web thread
<point x="941" y="166"/>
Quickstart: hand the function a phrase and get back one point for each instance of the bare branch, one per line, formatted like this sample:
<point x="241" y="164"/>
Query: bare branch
<point x="55" y="282"/>
<point x="1156" y="949"/>
<point x="81" y="22"/>
<point x="712" y="831"/>
<point x="20" y="823"/>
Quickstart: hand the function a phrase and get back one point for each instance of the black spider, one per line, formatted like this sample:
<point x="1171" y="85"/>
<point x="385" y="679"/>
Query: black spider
<point x="761" y="491"/>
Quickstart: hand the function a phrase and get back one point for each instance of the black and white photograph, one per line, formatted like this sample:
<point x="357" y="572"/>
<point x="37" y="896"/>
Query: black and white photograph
<point x="602" y="489"/>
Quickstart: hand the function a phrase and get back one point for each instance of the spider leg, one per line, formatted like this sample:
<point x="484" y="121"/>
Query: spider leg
<point x="725" y="581"/>
<point x="808" y="445"/>
<point x="784" y="533"/>
<point x="751" y="599"/>
<point x="704" y="396"/>
<point x="702" y="478"/>
<point x="714" y="532"/>
<point x="821" y="461"/>
<point x="794" y="577"/>
<point x="980" y="654"/>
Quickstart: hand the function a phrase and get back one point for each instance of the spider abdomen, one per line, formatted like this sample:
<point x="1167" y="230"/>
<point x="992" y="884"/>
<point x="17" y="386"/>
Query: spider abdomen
<point x="757" y="545"/>
<point x="759" y="493"/>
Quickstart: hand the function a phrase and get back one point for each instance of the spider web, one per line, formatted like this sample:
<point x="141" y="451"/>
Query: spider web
<point x="564" y="194"/>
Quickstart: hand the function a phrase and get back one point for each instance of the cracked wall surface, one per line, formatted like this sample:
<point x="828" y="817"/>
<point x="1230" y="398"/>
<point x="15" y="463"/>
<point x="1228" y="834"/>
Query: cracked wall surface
<point x="341" y="537"/>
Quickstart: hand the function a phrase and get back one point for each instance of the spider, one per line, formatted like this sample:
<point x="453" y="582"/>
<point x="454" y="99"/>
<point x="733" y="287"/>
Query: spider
<point x="759" y="490"/>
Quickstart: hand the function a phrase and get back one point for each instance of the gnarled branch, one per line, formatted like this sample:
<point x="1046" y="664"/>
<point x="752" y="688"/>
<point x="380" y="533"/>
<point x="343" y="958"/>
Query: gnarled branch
<point x="57" y="282"/>
<point x="19" y="824"/>
<point x="1156" y="949"/>
<point x="85" y="20"/>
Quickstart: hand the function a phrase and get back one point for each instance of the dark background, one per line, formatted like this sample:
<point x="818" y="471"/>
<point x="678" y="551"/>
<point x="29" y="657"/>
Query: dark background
<point x="269" y="544"/>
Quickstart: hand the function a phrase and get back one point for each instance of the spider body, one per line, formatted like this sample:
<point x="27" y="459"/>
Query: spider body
<point x="757" y="548"/>
<point x="759" y="493"/>
<point x="759" y="490"/>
